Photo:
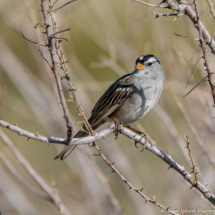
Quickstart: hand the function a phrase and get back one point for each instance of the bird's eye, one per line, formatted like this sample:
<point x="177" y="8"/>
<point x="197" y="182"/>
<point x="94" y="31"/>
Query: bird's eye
<point x="149" y="64"/>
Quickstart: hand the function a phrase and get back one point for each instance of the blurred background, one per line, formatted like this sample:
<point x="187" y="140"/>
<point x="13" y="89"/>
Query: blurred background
<point x="104" y="42"/>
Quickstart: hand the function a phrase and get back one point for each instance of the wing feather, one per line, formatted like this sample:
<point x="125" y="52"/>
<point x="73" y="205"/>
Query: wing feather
<point x="113" y="98"/>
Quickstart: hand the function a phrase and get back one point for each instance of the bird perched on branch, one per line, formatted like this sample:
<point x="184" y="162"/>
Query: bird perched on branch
<point x="128" y="99"/>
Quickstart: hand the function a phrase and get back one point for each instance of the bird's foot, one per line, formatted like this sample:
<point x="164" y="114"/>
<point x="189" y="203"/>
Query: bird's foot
<point x="140" y="133"/>
<point x="117" y="126"/>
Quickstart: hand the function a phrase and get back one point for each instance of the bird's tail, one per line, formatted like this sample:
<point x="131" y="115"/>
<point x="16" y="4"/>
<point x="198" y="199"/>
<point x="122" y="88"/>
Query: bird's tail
<point x="69" y="149"/>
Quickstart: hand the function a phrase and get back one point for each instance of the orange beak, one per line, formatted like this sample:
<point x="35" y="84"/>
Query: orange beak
<point x="139" y="66"/>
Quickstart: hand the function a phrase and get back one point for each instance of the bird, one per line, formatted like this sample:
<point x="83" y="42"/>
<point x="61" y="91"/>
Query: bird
<point x="128" y="99"/>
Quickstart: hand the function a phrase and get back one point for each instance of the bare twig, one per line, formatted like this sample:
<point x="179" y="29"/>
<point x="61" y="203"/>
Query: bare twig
<point x="194" y="169"/>
<point x="195" y="86"/>
<point x="44" y="58"/>
<point x="130" y="186"/>
<point x="202" y="43"/>
<point x="193" y="71"/>
<point x="196" y="135"/>
<point x="49" y="11"/>
<point x="179" y="35"/>
<point x="150" y="5"/>
<point x="194" y="51"/>
<point x="63" y="67"/>
<point x="22" y="180"/>
<point x="75" y="141"/>
<point x="31" y="41"/>
<point x="148" y="145"/>
<point x="56" y="74"/>
<point x="32" y="172"/>
<point x="157" y="15"/>
<point x="55" y="190"/>
<point x="211" y="8"/>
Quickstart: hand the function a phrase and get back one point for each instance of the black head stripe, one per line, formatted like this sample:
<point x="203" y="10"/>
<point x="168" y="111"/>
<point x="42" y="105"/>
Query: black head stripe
<point x="144" y="58"/>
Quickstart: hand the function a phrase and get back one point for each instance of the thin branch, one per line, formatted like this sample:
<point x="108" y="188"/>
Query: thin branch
<point x="59" y="38"/>
<point x="156" y="6"/>
<point x="55" y="190"/>
<point x="150" y="5"/>
<point x="31" y="40"/>
<point x="31" y="171"/>
<point x="57" y="77"/>
<point x="186" y="37"/>
<point x="194" y="51"/>
<point x="206" y="65"/>
<point x="211" y="8"/>
<point x="44" y="58"/>
<point x="204" y="149"/>
<point x="183" y="6"/>
<point x="67" y="77"/>
<point x="75" y="141"/>
<point x="130" y="186"/>
<point x="193" y="70"/>
<point x="22" y="180"/>
<point x="194" y="169"/>
<point x="172" y="164"/>
<point x="195" y="86"/>
<point x="149" y="146"/>
<point x="157" y="15"/>
<point x="68" y="29"/>
<point x="49" y="11"/>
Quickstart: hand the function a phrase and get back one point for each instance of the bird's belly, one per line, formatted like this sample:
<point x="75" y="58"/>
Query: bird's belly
<point x="134" y="108"/>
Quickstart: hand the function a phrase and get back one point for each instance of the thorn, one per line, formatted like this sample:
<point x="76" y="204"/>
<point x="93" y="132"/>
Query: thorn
<point x="141" y="189"/>
<point x="130" y="188"/>
<point x="111" y="164"/>
<point x="113" y="171"/>
<point x="15" y="124"/>
<point x="37" y="134"/>
<point x="28" y="138"/>
<point x="192" y="187"/>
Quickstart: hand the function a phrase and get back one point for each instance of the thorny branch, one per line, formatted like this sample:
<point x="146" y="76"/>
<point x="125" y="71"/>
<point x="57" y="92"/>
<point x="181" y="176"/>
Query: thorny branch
<point x="60" y="55"/>
<point x="131" y="187"/>
<point x="148" y="145"/>
<point x="204" y="36"/>
<point x="194" y="169"/>
<point x="86" y="123"/>
<point x="56" y="74"/>
<point x="211" y="8"/>
<point x="204" y="51"/>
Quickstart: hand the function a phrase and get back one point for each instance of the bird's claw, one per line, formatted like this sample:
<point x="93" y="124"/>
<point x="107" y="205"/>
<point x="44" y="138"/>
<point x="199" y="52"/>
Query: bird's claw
<point x="117" y="127"/>
<point x="136" y="144"/>
<point x="142" y="136"/>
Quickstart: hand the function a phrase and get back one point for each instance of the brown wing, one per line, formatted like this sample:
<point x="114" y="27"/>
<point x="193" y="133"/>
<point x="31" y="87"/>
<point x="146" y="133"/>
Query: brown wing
<point x="113" y="98"/>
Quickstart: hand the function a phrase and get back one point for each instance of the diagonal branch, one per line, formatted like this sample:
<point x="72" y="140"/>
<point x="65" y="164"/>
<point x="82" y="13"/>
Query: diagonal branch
<point x="211" y="9"/>
<point x="147" y="144"/>
<point x="23" y="180"/>
<point x="32" y="172"/>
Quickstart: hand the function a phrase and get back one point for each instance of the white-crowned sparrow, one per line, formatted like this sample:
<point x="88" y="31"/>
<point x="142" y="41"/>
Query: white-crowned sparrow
<point x="128" y="99"/>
